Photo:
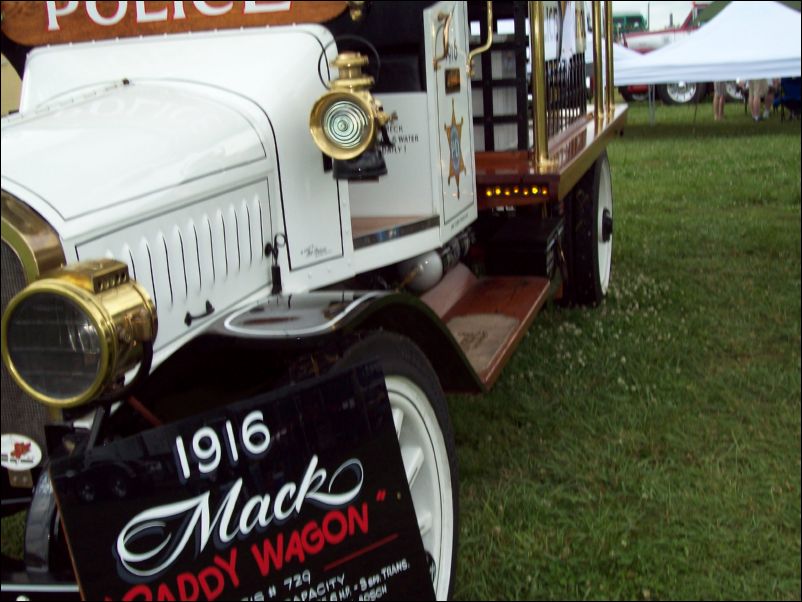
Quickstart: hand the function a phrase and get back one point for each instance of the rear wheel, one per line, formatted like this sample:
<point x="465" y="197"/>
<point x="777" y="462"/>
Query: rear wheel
<point x="591" y="235"/>
<point x="426" y="439"/>
<point x="681" y="93"/>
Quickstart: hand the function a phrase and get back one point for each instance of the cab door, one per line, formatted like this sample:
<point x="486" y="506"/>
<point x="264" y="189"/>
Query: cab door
<point x="451" y="116"/>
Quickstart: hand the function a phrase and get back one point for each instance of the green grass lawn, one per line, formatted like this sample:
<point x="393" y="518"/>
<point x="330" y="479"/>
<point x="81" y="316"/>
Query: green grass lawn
<point x="650" y="448"/>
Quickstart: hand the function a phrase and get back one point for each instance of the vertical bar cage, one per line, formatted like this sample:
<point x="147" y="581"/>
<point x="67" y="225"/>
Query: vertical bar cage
<point x="553" y="75"/>
<point x="499" y="82"/>
<point x="562" y="88"/>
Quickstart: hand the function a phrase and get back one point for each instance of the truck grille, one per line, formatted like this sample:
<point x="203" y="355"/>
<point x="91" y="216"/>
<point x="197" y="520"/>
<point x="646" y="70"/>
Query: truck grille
<point x="20" y="413"/>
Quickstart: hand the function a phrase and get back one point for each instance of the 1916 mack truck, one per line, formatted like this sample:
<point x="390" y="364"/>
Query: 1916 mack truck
<point x="222" y="222"/>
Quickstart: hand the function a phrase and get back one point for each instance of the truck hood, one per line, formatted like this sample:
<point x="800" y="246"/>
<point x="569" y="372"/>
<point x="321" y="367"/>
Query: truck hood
<point x="143" y="137"/>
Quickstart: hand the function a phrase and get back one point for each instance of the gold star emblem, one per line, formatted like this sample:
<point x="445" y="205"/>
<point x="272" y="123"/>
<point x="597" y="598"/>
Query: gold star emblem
<point x="454" y="136"/>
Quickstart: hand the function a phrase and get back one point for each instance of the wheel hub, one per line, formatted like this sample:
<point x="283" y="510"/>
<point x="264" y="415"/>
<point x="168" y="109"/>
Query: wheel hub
<point x="607" y="225"/>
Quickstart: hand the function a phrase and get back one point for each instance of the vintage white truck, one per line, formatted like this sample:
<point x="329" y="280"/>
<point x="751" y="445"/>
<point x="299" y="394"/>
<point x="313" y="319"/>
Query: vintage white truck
<point x="205" y="201"/>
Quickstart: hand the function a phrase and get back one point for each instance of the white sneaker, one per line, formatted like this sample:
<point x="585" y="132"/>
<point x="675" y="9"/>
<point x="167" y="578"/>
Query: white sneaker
<point x="766" y="114"/>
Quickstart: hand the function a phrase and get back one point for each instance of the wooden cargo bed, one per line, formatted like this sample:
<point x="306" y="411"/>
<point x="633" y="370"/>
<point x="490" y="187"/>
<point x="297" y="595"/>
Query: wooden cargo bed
<point x="573" y="150"/>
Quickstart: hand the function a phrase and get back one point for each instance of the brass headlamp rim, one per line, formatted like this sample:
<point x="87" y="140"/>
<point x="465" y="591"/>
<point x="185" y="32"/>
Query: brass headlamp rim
<point x="103" y="323"/>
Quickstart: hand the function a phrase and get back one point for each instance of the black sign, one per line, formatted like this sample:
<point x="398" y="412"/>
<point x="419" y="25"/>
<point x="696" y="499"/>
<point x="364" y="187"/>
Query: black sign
<point x="298" y="494"/>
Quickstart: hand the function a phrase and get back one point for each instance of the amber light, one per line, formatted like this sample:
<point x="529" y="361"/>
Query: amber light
<point x="507" y="191"/>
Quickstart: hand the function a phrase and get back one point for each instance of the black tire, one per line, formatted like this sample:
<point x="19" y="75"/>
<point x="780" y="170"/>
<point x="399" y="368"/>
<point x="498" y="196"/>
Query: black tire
<point x="681" y="93"/>
<point x="591" y="235"/>
<point x="411" y="381"/>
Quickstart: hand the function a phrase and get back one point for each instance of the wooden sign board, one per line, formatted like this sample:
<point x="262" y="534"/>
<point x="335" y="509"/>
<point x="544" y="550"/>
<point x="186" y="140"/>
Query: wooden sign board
<point x="39" y="23"/>
<point x="296" y="494"/>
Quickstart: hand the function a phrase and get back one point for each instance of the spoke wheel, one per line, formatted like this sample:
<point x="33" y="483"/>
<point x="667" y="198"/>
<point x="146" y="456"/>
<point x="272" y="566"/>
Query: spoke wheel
<point x="426" y="440"/>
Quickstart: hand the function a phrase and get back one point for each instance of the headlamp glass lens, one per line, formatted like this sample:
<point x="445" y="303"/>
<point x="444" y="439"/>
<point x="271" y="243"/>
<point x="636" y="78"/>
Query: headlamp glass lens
<point x="54" y="346"/>
<point x="345" y="123"/>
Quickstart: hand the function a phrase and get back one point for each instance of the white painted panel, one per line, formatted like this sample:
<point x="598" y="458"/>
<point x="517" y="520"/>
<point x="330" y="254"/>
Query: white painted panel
<point x="399" y="249"/>
<point x="190" y="248"/>
<point x="407" y="187"/>
<point x="233" y="250"/>
<point x="124" y="143"/>
<point x="203" y="252"/>
<point x="283" y="90"/>
<point x="453" y="126"/>
<point x="219" y="247"/>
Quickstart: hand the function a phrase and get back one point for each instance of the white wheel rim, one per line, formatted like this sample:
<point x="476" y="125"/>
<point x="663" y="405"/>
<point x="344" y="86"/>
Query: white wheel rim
<point x="605" y="248"/>
<point x="681" y="92"/>
<point x="733" y="91"/>
<point x="423" y="451"/>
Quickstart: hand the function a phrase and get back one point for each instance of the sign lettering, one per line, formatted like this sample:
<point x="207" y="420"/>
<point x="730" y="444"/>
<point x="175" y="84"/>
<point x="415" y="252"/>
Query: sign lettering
<point x="54" y="22"/>
<point x="295" y="494"/>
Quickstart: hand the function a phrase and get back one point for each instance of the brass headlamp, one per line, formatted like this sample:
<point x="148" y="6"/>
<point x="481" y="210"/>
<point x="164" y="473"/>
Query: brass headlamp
<point x="346" y="120"/>
<point x="69" y="337"/>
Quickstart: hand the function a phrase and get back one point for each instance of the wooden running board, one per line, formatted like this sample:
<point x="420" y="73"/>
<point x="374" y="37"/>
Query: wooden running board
<point x="490" y="317"/>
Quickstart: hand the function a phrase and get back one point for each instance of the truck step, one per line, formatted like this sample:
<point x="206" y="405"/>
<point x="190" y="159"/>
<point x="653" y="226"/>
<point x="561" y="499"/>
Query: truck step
<point x="490" y="317"/>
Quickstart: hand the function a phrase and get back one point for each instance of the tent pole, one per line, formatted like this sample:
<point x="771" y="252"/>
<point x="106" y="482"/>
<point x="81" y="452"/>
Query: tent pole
<point x="598" y="68"/>
<point x="608" y="38"/>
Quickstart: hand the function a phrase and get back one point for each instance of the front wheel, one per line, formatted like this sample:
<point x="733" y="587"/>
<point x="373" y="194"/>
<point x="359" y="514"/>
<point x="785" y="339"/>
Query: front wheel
<point x="427" y="446"/>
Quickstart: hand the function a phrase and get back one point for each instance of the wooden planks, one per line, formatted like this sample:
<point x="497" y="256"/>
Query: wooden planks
<point x="490" y="319"/>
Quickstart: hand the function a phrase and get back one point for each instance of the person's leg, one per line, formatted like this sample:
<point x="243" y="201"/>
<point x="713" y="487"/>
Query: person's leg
<point x="769" y="103"/>
<point x="718" y="100"/>
<point x="754" y="105"/>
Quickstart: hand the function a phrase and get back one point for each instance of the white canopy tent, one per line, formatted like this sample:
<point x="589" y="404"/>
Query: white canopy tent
<point x="622" y="53"/>
<point x="747" y="40"/>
